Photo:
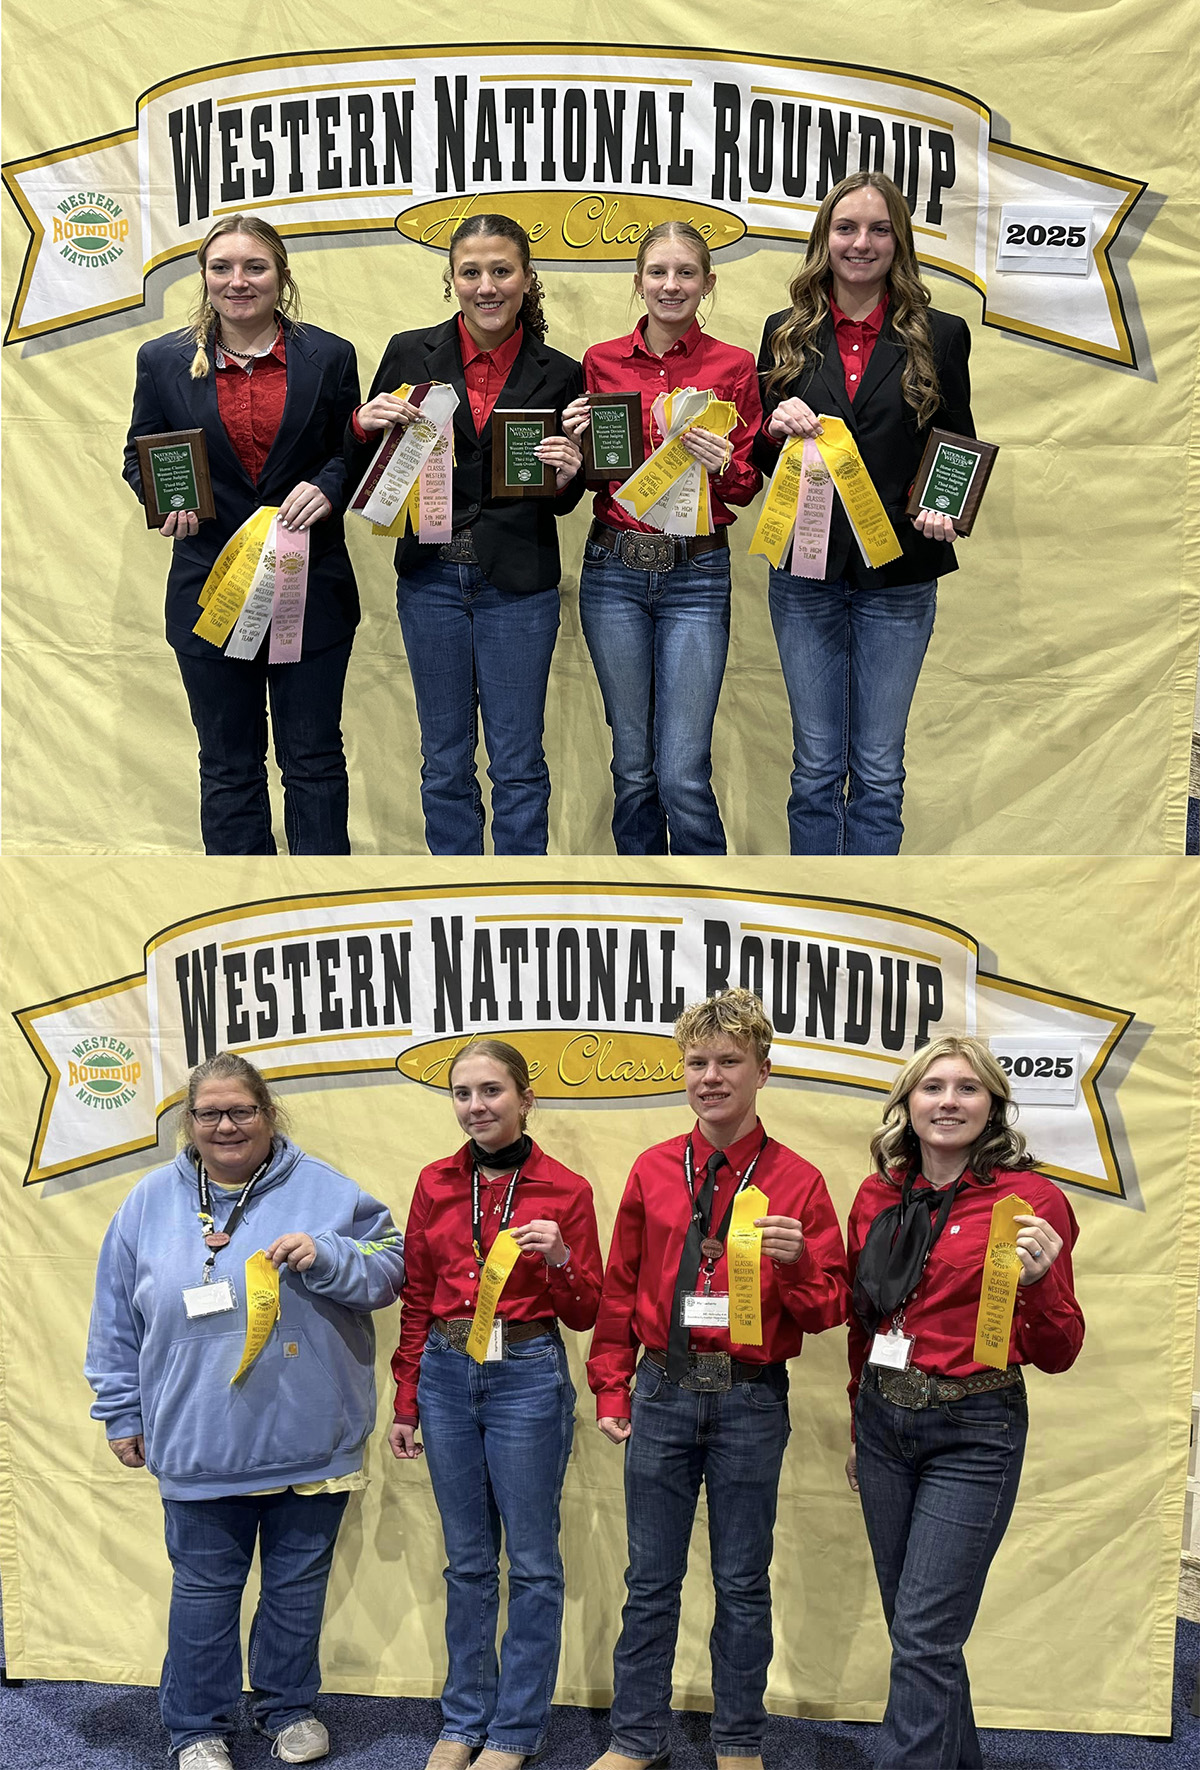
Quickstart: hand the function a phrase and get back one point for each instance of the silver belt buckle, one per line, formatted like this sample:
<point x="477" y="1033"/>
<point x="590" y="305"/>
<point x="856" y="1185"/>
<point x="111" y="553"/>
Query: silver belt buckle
<point x="908" y="1388"/>
<point x="646" y="553"/>
<point x="708" y="1373"/>
<point x="456" y="1334"/>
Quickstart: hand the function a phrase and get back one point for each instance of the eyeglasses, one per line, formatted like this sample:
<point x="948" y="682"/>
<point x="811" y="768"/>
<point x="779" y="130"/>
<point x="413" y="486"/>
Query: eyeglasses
<point x="211" y="1116"/>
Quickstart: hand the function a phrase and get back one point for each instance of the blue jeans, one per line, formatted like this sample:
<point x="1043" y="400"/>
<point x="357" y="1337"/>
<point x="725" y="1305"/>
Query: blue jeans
<point x="851" y="659"/>
<point x="658" y="642"/>
<point x="211" y="1545"/>
<point x="937" y="1487"/>
<point x="497" y="1438"/>
<point x="734" y="1444"/>
<point x="228" y="701"/>
<point x="473" y="651"/>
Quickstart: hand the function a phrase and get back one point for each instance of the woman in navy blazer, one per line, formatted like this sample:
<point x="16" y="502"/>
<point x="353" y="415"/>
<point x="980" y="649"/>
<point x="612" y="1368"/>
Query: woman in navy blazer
<point x="852" y="644"/>
<point x="274" y="436"/>
<point x="479" y="614"/>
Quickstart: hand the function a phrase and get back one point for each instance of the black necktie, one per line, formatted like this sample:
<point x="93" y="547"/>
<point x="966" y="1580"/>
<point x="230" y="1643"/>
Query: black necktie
<point x="689" y="1270"/>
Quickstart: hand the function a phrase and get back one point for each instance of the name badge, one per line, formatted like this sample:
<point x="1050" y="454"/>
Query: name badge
<point x="496" y="1347"/>
<point x="892" y="1350"/>
<point x="209" y="1299"/>
<point x="706" y="1312"/>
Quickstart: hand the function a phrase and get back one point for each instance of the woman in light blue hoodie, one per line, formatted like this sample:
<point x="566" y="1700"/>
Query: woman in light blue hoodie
<point x="248" y="1445"/>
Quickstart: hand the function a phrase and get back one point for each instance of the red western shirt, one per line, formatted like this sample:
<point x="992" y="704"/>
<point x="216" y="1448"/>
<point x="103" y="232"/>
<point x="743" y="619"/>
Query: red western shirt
<point x="1047" y="1328"/>
<point x="442" y="1273"/>
<point x="250" y="401"/>
<point x="855" y="342"/>
<point x="627" y="365"/>
<point x="485" y="371"/>
<point x="805" y="1296"/>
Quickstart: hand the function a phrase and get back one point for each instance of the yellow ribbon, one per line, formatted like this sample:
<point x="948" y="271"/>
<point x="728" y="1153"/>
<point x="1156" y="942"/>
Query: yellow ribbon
<point x="868" y="518"/>
<point x="228" y="583"/>
<point x="743" y="1252"/>
<point x="262" y="1308"/>
<point x="1001" y="1271"/>
<point x="777" y="518"/>
<point x="671" y="460"/>
<point x="502" y="1257"/>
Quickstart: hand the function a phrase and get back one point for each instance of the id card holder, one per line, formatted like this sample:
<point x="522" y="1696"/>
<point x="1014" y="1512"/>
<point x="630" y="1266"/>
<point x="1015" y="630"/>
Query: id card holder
<point x="705" y="1312"/>
<point x="216" y="1298"/>
<point x="892" y="1351"/>
<point x="497" y="1346"/>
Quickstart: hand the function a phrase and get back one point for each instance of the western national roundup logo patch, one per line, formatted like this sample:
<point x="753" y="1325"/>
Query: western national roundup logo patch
<point x="588" y="146"/>
<point x="586" y="981"/>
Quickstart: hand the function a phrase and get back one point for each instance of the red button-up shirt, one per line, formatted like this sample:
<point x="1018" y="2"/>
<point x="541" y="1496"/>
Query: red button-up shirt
<point x="442" y="1273"/>
<point x="1047" y="1328"/>
<point x="626" y="365"/>
<point x="855" y="342"/>
<point x="486" y="371"/>
<point x="251" y="401"/>
<point x="805" y="1296"/>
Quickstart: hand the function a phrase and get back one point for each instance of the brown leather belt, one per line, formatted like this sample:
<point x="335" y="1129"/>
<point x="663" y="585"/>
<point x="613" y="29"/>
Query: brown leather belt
<point x="456" y="1331"/>
<point x="711" y="1373"/>
<point x="655" y="553"/>
<point x="916" y="1388"/>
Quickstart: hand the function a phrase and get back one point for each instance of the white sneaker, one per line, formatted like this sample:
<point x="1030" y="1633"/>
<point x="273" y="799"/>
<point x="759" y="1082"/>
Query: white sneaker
<point x="300" y="1743"/>
<point x="206" y="1754"/>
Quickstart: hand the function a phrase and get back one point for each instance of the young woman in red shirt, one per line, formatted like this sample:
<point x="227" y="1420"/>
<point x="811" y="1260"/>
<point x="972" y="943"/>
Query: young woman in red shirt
<point x="498" y="1433"/>
<point x="939" y="1435"/>
<point x="655" y="613"/>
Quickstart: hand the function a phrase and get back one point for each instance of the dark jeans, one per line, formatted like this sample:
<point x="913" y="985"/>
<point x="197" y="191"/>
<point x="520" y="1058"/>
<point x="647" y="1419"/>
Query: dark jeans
<point x="211" y="1545"/>
<point x="937" y="1487"/>
<point x="228" y="700"/>
<point x="734" y="1444"/>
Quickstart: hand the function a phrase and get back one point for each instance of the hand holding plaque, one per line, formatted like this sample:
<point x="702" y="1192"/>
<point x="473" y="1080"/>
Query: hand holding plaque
<point x="174" y="468"/>
<point x="517" y="470"/>
<point x="952" y="476"/>
<point x="613" y="442"/>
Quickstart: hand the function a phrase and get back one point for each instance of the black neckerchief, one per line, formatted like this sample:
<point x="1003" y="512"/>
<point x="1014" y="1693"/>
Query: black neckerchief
<point x="494" y="1158"/>
<point x="897" y="1246"/>
<point x="513" y="1155"/>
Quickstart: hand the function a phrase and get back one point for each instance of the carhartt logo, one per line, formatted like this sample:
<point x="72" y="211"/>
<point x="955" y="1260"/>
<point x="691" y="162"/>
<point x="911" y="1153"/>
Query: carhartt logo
<point x="89" y="228"/>
<point x="104" y="1073"/>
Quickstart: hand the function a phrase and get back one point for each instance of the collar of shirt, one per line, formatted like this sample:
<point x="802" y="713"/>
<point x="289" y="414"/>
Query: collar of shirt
<point x="738" y="1156"/>
<point x="920" y="1184"/>
<point x="682" y="347"/>
<point x="277" y="350"/>
<point x="871" y="327"/>
<point x="499" y="360"/>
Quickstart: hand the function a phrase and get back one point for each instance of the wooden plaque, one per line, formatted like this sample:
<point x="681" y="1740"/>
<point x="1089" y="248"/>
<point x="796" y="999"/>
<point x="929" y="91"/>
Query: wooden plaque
<point x="612" y="443"/>
<point x="952" y="476"/>
<point x="175" y="476"/>
<point x="516" y="470"/>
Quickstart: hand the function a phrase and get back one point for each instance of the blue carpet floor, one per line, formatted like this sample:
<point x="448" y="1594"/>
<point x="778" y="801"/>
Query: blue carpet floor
<point x="1192" y="845"/>
<point x="45" y="1726"/>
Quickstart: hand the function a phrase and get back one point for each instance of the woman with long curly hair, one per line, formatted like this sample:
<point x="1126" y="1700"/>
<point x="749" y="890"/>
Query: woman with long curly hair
<point x="273" y="398"/>
<point x="479" y="613"/>
<point x="860" y="342"/>
<point x="939" y="1435"/>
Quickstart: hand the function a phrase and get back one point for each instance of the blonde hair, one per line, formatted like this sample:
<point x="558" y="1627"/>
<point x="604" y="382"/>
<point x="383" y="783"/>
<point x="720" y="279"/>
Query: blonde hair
<point x="227" y="1066"/>
<point x="735" y="1014"/>
<point x="507" y="1056"/>
<point x="895" y="1149"/>
<point x="796" y="338"/>
<point x="202" y="319"/>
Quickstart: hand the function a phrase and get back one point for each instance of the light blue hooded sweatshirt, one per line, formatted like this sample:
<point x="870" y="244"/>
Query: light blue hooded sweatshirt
<point x="306" y="1406"/>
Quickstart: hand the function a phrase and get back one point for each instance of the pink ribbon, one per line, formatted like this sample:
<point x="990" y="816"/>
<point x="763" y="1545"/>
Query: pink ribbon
<point x="814" y="508"/>
<point x="291" y="594"/>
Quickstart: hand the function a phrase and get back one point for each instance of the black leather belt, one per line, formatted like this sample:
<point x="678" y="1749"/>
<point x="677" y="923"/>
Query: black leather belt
<point x="916" y="1388"/>
<point x="655" y="553"/>
<point x="711" y="1373"/>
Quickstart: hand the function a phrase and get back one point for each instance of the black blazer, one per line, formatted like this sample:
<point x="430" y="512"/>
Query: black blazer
<point x="889" y="438"/>
<point x="322" y="391"/>
<point x="516" y="539"/>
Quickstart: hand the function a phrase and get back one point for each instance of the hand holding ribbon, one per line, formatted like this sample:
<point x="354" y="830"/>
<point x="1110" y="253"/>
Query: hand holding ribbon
<point x="1038" y="1246"/>
<point x="783" y="1238"/>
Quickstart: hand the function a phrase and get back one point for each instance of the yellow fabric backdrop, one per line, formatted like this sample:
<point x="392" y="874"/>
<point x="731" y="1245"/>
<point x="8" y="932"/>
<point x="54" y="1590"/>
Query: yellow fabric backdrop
<point x="1090" y="1565"/>
<point x="1053" y="714"/>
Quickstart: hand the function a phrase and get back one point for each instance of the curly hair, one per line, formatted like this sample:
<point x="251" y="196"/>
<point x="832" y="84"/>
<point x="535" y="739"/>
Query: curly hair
<point x="794" y="340"/>
<point x="735" y="1014"/>
<point x="227" y="1066"/>
<point x="203" y="319"/>
<point x="895" y="1150"/>
<point x="531" y="314"/>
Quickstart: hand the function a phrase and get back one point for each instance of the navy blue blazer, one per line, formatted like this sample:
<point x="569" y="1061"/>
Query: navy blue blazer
<point x="322" y="391"/>
<point x="516" y="539"/>
<point x="889" y="438"/>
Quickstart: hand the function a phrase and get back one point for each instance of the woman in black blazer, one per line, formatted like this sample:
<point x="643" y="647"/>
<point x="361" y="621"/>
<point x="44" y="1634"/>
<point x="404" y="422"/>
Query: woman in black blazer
<point x="479" y="614"/>
<point x="273" y="399"/>
<point x="862" y="343"/>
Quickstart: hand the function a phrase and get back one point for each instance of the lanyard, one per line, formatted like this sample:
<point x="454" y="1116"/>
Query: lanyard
<point x="216" y="1239"/>
<point x="506" y="1210"/>
<point x="712" y="1245"/>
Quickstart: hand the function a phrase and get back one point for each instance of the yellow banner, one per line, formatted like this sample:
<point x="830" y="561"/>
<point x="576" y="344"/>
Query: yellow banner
<point x="671" y="460"/>
<point x="1001" y="1270"/>
<point x="262" y="1308"/>
<point x="743" y="1250"/>
<point x="868" y="518"/>
<point x="502" y="1257"/>
<point x="228" y="584"/>
<point x="777" y="518"/>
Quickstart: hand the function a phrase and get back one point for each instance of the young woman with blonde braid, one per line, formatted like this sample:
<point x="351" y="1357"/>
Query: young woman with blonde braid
<point x="862" y="343"/>
<point x="273" y="399"/>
